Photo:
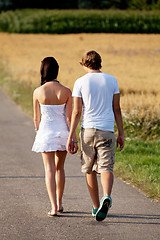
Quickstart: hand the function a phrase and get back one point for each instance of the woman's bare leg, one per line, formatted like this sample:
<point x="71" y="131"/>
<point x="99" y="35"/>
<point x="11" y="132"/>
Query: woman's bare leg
<point x="49" y="165"/>
<point x="60" y="157"/>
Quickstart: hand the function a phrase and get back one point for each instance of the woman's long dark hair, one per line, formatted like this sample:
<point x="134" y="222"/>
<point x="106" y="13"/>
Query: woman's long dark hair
<point x="49" y="70"/>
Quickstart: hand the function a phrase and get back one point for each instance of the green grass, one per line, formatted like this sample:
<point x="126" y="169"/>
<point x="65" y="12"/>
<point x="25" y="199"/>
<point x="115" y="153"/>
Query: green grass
<point x="78" y="21"/>
<point x="20" y="92"/>
<point x="138" y="163"/>
<point x="147" y="127"/>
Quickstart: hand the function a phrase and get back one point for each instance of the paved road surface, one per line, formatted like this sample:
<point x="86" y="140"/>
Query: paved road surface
<point x="24" y="202"/>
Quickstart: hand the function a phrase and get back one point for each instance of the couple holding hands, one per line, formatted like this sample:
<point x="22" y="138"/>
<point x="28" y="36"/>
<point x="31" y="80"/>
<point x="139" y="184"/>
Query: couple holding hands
<point x="97" y="94"/>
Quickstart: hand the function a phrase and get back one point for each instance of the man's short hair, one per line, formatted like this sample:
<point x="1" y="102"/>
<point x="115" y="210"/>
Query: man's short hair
<point x="92" y="60"/>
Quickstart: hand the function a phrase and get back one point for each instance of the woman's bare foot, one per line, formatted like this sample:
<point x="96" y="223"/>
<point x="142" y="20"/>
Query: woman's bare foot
<point x="60" y="209"/>
<point x="52" y="213"/>
<point x="59" y="206"/>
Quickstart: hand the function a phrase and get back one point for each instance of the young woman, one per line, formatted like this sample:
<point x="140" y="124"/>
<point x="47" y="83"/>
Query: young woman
<point x="54" y="102"/>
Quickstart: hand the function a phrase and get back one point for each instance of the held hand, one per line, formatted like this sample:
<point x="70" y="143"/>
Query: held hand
<point x="120" y="142"/>
<point x="71" y="146"/>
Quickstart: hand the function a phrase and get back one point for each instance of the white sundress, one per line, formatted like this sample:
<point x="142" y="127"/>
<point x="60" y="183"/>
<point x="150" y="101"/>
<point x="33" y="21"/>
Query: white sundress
<point x="53" y="130"/>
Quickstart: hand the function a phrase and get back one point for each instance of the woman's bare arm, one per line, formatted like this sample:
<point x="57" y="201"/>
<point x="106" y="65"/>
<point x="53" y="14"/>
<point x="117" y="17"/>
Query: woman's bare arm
<point x="36" y="109"/>
<point x="77" y="110"/>
<point x="69" y="109"/>
<point x="69" y="113"/>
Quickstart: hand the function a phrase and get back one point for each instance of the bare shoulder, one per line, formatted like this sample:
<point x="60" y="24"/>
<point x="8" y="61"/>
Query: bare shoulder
<point x="67" y="91"/>
<point x="36" y="92"/>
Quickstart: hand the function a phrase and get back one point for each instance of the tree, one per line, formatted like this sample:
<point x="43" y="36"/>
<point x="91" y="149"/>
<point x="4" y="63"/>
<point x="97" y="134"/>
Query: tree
<point x="118" y="4"/>
<point x="5" y="4"/>
<point x="138" y="4"/>
<point x="15" y="4"/>
<point x="90" y="4"/>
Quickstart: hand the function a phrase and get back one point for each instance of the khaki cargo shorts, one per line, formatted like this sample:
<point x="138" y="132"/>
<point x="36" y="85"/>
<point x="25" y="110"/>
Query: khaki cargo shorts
<point x="97" y="150"/>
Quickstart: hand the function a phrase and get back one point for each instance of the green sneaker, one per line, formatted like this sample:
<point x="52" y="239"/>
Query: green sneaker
<point x="94" y="211"/>
<point x="105" y="204"/>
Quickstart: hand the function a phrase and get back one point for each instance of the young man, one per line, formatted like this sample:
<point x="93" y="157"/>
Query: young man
<point x="98" y="94"/>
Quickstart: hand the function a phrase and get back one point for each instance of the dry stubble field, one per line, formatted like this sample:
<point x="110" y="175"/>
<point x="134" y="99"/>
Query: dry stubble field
<point x="133" y="59"/>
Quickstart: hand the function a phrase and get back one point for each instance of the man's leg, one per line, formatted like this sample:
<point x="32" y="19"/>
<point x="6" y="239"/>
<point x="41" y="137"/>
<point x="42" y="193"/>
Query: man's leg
<point x="107" y="179"/>
<point x="106" y="201"/>
<point x="106" y="153"/>
<point x="92" y="183"/>
<point x="87" y="160"/>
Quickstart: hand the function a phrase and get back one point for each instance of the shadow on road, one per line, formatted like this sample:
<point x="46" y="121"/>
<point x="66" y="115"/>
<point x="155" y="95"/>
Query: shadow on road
<point x="135" y="219"/>
<point x="113" y="219"/>
<point x="137" y="216"/>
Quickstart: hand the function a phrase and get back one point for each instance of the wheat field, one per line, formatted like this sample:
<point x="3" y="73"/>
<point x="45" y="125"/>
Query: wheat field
<point x="134" y="59"/>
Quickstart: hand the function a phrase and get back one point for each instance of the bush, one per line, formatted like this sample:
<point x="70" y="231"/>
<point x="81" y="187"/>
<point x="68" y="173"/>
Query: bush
<point x="78" y="21"/>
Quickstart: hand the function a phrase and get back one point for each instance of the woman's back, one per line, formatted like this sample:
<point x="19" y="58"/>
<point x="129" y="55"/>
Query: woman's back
<point x="53" y="93"/>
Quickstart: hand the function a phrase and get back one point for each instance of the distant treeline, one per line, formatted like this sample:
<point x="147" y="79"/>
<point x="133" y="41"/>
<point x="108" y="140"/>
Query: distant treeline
<point x="80" y="4"/>
<point x="79" y="21"/>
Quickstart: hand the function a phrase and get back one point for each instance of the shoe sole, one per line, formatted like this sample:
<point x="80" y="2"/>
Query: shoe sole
<point x="51" y="216"/>
<point x="104" y="209"/>
<point x="61" y="210"/>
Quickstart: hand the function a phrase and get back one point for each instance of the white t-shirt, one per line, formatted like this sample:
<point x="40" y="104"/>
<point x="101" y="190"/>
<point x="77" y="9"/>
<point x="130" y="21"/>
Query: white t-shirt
<point x="96" y="91"/>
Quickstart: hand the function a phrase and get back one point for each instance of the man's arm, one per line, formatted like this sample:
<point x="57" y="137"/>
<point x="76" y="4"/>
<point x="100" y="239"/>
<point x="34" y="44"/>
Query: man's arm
<point x="76" y="114"/>
<point x="118" y="119"/>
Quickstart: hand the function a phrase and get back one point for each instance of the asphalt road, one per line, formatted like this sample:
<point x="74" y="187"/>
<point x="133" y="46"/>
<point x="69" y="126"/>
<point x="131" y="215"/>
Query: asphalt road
<point x="24" y="201"/>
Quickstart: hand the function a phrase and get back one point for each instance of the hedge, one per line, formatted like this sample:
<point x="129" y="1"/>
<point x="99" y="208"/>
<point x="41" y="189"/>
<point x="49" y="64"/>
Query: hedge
<point x="78" y="21"/>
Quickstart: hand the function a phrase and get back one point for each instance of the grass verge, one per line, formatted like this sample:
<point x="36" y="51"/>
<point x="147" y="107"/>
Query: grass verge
<point x="137" y="164"/>
<point x="20" y="92"/>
